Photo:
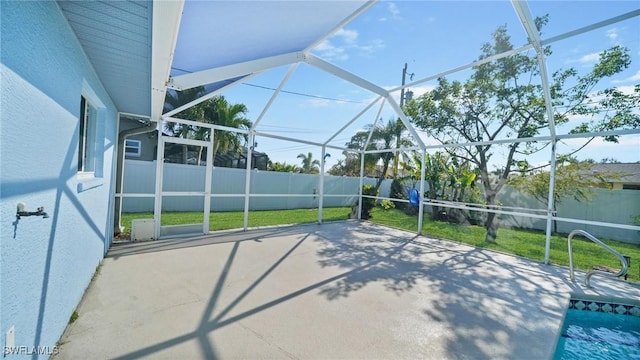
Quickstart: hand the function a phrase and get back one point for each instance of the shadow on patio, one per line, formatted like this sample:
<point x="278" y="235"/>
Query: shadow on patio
<point x="339" y="290"/>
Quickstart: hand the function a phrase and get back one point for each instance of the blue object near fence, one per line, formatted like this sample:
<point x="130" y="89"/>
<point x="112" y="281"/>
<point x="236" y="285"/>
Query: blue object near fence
<point x="414" y="197"/>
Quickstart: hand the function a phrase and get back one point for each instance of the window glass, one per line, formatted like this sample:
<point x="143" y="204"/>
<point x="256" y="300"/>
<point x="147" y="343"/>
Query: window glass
<point x="133" y="147"/>
<point x="88" y="137"/>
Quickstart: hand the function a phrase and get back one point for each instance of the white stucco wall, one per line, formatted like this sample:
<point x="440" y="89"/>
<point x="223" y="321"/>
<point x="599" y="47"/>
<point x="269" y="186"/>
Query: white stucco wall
<point x="46" y="264"/>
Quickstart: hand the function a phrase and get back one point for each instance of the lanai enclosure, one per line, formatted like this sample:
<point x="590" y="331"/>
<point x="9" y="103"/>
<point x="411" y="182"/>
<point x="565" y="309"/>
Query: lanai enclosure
<point x="289" y="47"/>
<point x="71" y="70"/>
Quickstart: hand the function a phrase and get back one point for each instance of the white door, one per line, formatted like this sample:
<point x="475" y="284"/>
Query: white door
<point x="183" y="187"/>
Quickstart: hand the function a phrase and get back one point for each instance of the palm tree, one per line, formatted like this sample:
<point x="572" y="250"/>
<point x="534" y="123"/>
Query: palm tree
<point x="352" y="162"/>
<point x="175" y="99"/>
<point x="384" y="137"/>
<point x="398" y="129"/>
<point x="212" y="111"/>
<point x="229" y="115"/>
<point x="309" y="165"/>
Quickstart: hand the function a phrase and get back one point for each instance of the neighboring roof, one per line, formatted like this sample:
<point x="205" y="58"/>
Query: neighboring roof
<point x="622" y="172"/>
<point x="116" y="36"/>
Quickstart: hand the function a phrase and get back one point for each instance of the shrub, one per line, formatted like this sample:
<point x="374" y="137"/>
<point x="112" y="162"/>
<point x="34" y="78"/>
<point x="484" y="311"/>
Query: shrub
<point x="368" y="203"/>
<point x="398" y="190"/>
<point x="387" y="204"/>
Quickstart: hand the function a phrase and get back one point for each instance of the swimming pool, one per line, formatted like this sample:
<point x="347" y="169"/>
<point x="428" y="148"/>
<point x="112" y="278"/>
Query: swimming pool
<point x="598" y="329"/>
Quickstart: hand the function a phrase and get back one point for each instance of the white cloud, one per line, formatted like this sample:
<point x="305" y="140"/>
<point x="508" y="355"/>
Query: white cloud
<point x="590" y="58"/>
<point x="612" y="34"/>
<point x="629" y="89"/>
<point x="348" y="36"/>
<point x="319" y="102"/>
<point x="624" y="144"/>
<point x="346" y="39"/>
<point x="393" y="13"/>
<point x="417" y="91"/>
<point x="338" y="47"/>
<point x="632" y="78"/>
<point x="393" y="9"/>
<point x="327" y="50"/>
<point x="594" y="97"/>
<point x="579" y="118"/>
<point x="372" y="46"/>
<point x="587" y="59"/>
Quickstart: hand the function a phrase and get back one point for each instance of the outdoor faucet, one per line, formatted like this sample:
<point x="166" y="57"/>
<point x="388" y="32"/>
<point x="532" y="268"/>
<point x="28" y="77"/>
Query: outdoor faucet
<point x="22" y="211"/>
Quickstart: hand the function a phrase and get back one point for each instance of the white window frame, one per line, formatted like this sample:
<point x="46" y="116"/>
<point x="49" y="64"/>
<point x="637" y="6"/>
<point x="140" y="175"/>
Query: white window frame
<point x="88" y="134"/>
<point x="132" y="144"/>
<point x="89" y="178"/>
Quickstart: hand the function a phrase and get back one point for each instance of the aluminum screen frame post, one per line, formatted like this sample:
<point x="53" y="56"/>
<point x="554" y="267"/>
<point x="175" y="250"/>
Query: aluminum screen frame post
<point x="421" y="197"/>
<point x="321" y="184"/>
<point x="247" y="183"/>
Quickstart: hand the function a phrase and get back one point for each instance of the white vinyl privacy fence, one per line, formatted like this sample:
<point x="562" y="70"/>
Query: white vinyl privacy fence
<point x="228" y="190"/>
<point x="606" y="206"/>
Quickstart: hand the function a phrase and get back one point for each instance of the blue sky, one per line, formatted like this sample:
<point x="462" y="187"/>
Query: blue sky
<point x="430" y="37"/>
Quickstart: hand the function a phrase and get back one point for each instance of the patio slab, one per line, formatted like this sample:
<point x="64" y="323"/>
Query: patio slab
<point x="342" y="290"/>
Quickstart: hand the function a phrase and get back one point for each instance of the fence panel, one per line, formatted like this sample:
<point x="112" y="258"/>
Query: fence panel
<point x="140" y="178"/>
<point x="614" y="206"/>
<point x="227" y="181"/>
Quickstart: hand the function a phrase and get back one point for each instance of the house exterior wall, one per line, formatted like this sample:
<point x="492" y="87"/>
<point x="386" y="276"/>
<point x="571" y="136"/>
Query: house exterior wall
<point x="46" y="264"/>
<point x="148" y="141"/>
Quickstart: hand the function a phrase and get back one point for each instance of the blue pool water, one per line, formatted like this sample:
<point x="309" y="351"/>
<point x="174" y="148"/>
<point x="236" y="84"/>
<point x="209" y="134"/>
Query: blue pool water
<point x="598" y="335"/>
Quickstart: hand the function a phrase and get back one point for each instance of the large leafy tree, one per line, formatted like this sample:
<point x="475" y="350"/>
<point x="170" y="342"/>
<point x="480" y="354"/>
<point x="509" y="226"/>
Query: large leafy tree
<point x="504" y="99"/>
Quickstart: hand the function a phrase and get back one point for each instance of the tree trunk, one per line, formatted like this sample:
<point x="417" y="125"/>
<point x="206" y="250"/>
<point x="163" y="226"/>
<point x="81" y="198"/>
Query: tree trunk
<point x="385" y="168"/>
<point x="492" y="228"/>
<point x="435" y="212"/>
<point x="490" y="225"/>
<point x="185" y="154"/>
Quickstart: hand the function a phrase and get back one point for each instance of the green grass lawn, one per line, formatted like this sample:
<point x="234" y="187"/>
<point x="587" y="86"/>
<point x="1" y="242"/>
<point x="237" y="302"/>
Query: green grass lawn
<point x="235" y="219"/>
<point x="525" y="243"/>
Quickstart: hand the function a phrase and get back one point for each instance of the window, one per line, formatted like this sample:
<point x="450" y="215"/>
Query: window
<point x="88" y="137"/>
<point x="132" y="147"/>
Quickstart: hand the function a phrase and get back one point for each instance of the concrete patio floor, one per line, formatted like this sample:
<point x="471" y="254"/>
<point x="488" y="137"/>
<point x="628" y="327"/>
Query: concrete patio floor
<point x="331" y="291"/>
